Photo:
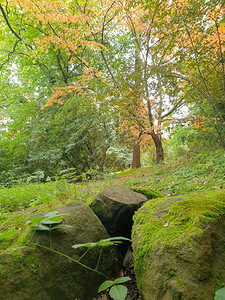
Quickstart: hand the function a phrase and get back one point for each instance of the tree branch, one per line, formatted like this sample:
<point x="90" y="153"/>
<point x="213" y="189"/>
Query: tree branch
<point x="8" y="24"/>
<point x="179" y="103"/>
<point x="222" y="61"/>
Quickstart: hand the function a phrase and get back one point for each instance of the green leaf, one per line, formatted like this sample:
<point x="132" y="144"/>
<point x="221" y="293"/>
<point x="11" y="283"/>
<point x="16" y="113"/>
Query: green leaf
<point x="111" y="241"/>
<point x="61" y="226"/>
<point x="121" y="280"/>
<point x="88" y="245"/>
<point x="220" y="294"/>
<point x="53" y="220"/>
<point x="36" y="221"/>
<point x="118" y="292"/>
<point x="117" y="238"/>
<point x="40" y="227"/>
<point x="105" y="285"/>
<point x="51" y="214"/>
<point x="8" y="234"/>
<point x="102" y="243"/>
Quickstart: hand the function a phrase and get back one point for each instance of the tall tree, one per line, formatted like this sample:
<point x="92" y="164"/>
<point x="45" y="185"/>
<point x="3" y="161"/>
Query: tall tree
<point x="190" y="36"/>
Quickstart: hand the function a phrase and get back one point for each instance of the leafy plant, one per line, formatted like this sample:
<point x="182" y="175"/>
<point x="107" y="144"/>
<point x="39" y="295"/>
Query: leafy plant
<point x="113" y="241"/>
<point x="103" y="243"/>
<point x="117" y="290"/>
<point x="53" y="220"/>
<point x="37" y="176"/>
<point x="49" y="222"/>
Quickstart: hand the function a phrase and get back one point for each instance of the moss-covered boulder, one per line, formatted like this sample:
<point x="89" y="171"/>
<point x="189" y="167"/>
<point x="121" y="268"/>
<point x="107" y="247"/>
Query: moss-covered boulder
<point x="29" y="271"/>
<point x="179" y="247"/>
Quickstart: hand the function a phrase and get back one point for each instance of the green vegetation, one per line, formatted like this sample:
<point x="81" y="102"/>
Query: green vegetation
<point x="117" y="291"/>
<point x="172" y="178"/>
<point x="87" y="88"/>
<point x="78" y="104"/>
<point x="149" y="193"/>
<point x="220" y="294"/>
<point x="21" y="197"/>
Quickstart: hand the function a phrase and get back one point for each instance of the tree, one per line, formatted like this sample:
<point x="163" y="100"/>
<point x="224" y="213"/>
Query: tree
<point x="85" y="28"/>
<point x="142" y="61"/>
<point x="190" y="37"/>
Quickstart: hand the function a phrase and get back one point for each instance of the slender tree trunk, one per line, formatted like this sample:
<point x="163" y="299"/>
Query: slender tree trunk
<point x="158" y="146"/>
<point x="136" y="162"/>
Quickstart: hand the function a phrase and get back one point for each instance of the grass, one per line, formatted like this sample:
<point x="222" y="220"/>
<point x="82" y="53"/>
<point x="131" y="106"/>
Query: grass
<point x="171" y="178"/>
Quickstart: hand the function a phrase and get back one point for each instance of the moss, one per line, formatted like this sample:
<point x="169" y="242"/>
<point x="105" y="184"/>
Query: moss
<point x="19" y="220"/>
<point x="149" y="193"/>
<point x="218" y="283"/>
<point x="179" y="281"/>
<point x="26" y="265"/>
<point x="176" y="279"/>
<point x="159" y="224"/>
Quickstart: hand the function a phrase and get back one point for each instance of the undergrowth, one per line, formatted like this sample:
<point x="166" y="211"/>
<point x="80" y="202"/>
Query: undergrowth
<point x="171" y="178"/>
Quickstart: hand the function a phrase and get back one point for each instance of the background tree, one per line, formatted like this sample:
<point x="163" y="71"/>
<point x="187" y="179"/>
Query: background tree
<point x="79" y="75"/>
<point x="190" y="35"/>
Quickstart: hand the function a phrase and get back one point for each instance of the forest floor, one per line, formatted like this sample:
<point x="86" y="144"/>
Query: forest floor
<point x="171" y="178"/>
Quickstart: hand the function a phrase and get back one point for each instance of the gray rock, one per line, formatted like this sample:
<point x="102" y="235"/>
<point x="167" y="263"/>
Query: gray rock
<point x="34" y="273"/>
<point x="115" y="207"/>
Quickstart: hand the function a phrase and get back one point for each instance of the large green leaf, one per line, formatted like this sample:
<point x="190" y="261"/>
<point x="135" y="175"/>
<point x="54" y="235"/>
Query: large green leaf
<point x="111" y="241"/>
<point x="220" y="294"/>
<point x="102" y="243"/>
<point x="118" y="292"/>
<point x="87" y="245"/>
<point x="53" y="220"/>
<point x="41" y="227"/>
<point x="61" y="226"/>
<point x="51" y="214"/>
<point x="105" y="285"/>
<point x="36" y="221"/>
<point x="121" y="280"/>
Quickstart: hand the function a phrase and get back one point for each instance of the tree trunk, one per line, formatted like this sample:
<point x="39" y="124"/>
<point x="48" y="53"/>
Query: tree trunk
<point x="158" y="146"/>
<point x="136" y="162"/>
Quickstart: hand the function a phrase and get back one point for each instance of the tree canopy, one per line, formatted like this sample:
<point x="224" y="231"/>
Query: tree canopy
<point x="79" y="78"/>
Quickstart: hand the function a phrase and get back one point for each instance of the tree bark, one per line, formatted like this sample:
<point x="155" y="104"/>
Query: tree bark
<point x="158" y="146"/>
<point x="136" y="162"/>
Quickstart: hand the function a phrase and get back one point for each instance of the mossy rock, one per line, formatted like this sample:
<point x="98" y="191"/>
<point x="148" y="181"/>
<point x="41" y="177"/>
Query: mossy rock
<point x="147" y="192"/>
<point x="29" y="271"/>
<point x="179" y="246"/>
